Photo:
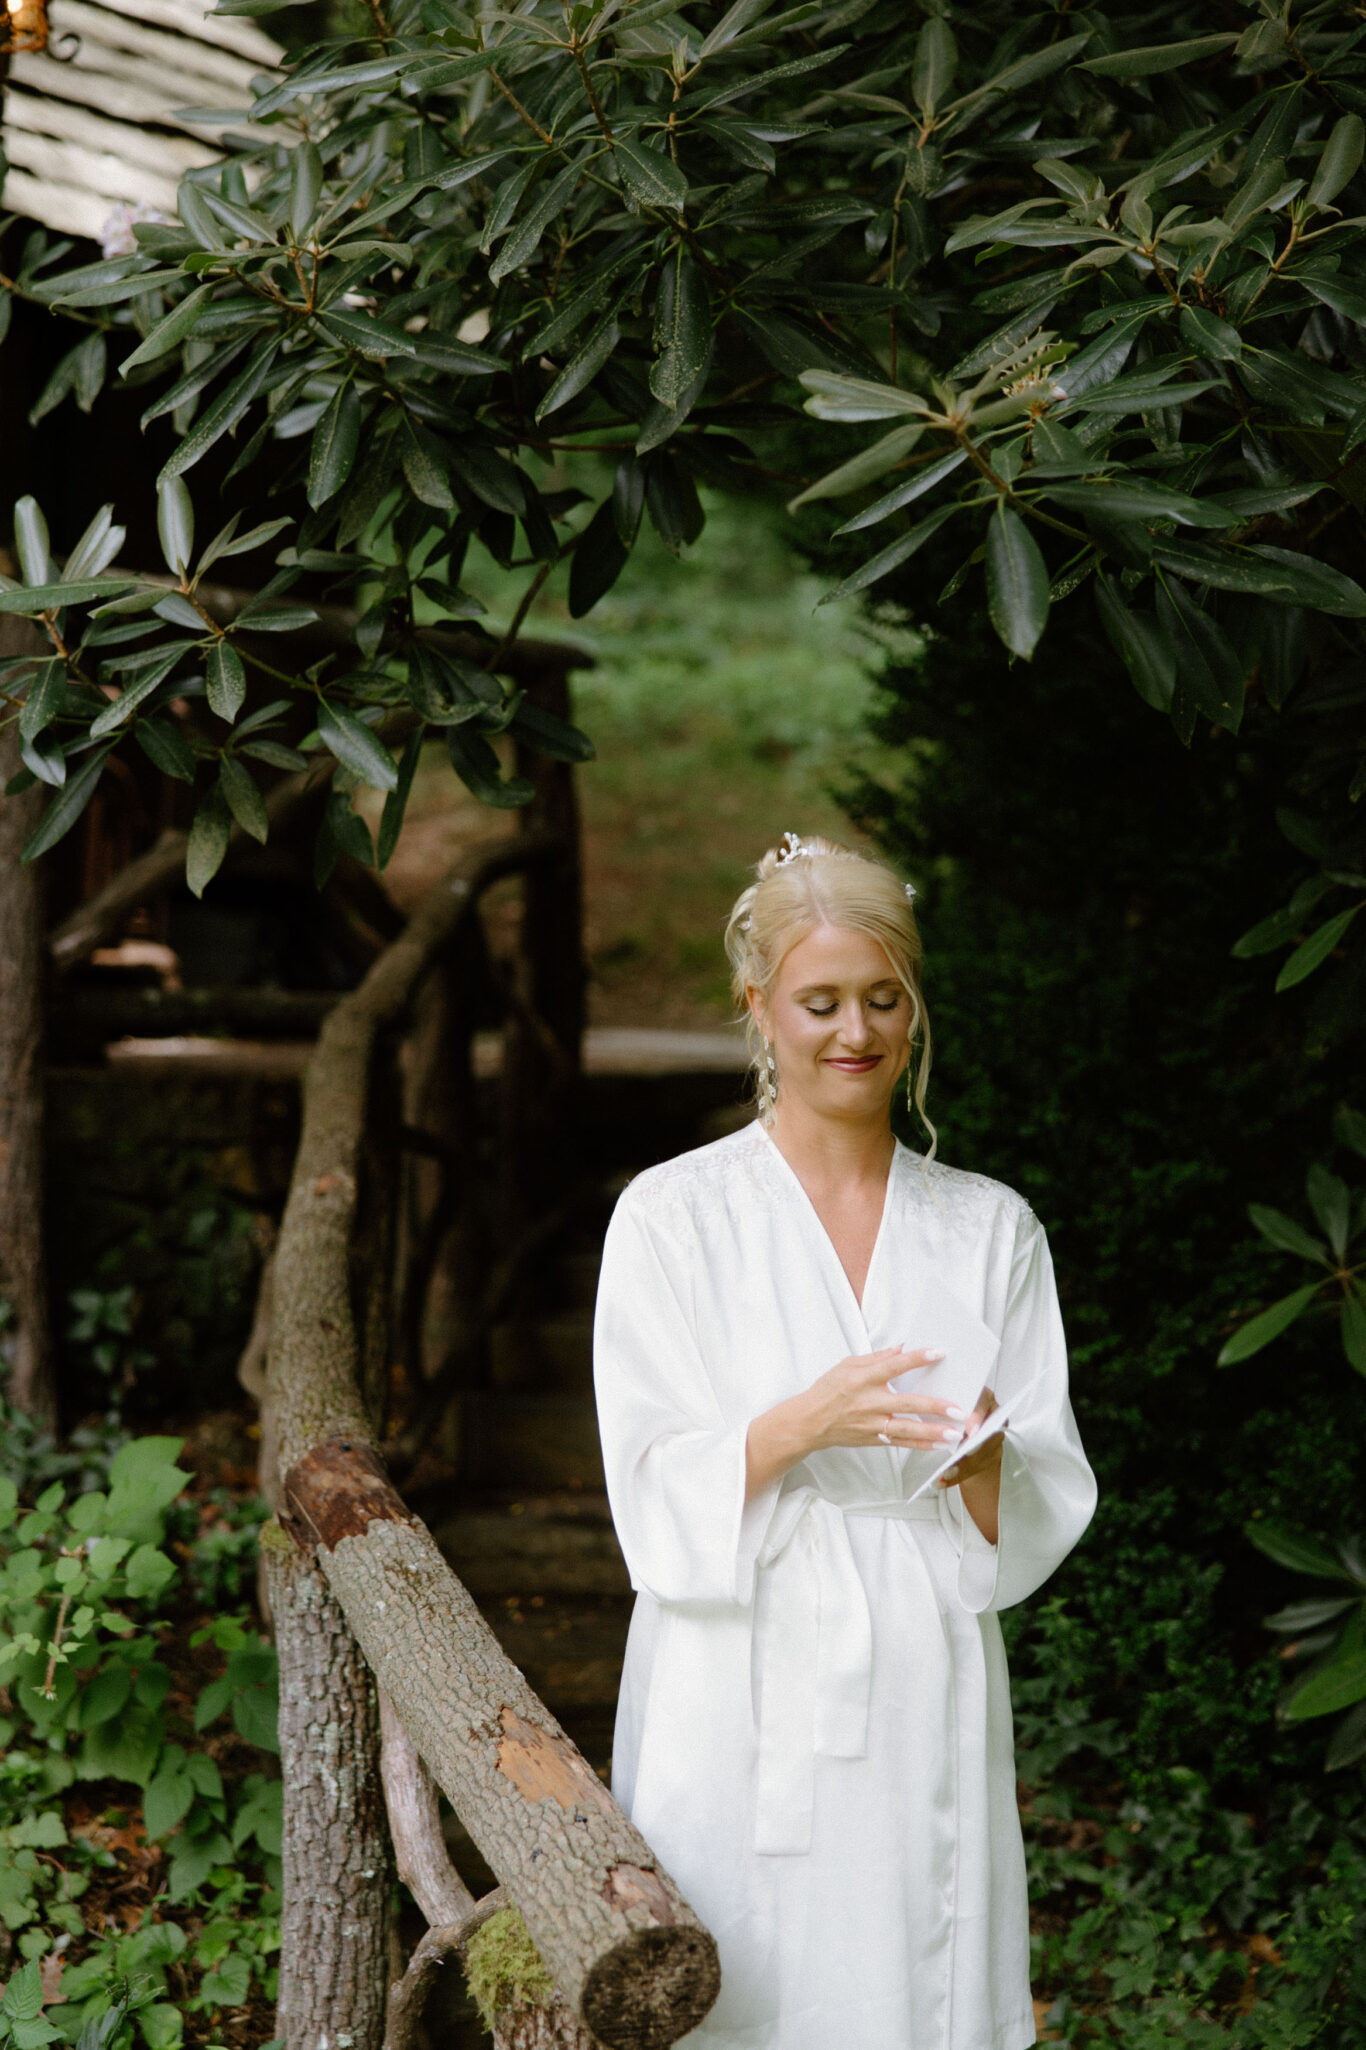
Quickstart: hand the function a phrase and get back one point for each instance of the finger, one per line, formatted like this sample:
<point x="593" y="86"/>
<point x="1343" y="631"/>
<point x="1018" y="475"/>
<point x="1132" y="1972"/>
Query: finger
<point x="924" y="1437"/>
<point x="876" y="1362"/>
<point x="913" y="1357"/>
<point x="926" y="1405"/>
<point x="951" y="1478"/>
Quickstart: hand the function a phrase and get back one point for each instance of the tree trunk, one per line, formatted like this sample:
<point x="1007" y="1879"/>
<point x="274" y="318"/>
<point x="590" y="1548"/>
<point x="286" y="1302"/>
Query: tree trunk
<point x="338" y="1869"/>
<point x="616" y="1936"/>
<point x="25" y="1339"/>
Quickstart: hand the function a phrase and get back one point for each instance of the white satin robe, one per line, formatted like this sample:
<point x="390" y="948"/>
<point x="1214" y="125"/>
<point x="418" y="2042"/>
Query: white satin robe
<point x="814" y="1729"/>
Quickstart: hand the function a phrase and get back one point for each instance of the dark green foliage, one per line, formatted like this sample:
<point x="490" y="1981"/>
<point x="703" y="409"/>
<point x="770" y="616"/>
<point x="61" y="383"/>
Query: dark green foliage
<point x="1082" y="878"/>
<point x="88" y="1588"/>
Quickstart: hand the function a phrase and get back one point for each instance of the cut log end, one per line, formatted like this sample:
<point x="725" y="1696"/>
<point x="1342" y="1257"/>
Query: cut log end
<point x="652" y="1987"/>
<point x="339" y="1488"/>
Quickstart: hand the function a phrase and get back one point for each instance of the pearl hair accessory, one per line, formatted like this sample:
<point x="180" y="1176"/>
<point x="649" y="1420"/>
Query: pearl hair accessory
<point x="792" y="847"/>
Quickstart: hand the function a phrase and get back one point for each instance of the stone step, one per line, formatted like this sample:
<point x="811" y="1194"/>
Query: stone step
<point x="498" y="1555"/>
<point x="531" y="1442"/>
<point x="545" y="1355"/>
<point x="570" y="1649"/>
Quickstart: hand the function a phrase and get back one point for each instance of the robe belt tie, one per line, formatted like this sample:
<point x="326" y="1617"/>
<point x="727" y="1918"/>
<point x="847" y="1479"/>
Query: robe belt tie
<point x="815" y="1655"/>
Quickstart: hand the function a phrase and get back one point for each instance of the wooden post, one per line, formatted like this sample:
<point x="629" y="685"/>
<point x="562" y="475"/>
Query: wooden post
<point x="25" y="1339"/>
<point x="552" y="922"/>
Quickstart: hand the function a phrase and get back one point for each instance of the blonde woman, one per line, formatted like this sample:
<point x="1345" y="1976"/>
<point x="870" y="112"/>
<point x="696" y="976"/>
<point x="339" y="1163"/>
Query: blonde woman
<point x="814" y="1730"/>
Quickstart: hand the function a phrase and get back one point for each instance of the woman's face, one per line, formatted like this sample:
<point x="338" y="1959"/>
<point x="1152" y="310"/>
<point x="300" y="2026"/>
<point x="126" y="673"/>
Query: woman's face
<point x="838" y="1020"/>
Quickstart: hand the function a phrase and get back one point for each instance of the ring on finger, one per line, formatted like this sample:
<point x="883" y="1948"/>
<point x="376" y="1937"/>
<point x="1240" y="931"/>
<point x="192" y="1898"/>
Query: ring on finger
<point x="882" y="1436"/>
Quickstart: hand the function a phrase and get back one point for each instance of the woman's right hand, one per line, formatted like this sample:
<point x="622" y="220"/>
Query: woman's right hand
<point x="852" y="1404"/>
<point x="855" y="1404"/>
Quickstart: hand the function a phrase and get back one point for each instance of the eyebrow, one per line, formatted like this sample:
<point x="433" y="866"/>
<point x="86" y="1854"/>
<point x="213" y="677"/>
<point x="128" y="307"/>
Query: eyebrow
<point x="828" y="989"/>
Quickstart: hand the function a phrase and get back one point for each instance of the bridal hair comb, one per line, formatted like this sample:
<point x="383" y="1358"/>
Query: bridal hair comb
<point x="792" y="847"/>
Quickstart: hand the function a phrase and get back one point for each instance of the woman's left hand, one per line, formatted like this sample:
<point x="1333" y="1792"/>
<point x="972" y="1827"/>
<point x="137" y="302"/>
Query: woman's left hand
<point x="987" y="1458"/>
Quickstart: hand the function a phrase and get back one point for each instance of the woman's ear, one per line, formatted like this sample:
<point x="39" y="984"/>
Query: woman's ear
<point x="754" y="998"/>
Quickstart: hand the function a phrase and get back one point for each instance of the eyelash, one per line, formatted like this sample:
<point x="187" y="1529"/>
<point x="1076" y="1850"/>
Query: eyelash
<point x="873" y="1005"/>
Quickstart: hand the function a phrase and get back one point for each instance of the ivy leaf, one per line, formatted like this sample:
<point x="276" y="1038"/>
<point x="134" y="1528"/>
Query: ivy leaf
<point x="223" y="414"/>
<point x="936" y="59"/>
<point x="597" y="561"/>
<point x="682" y="329"/>
<point x="1330" y="1199"/>
<point x="166" y="748"/>
<point x="581" y="369"/>
<point x="1337" y="1685"/>
<point x="1340" y="161"/>
<point x="905" y="494"/>
<point x="245" y="801"/>
<point x="64" y="809"/>
<point x="391" y="818"/>
<point x="1017" y="583"/>
<point x="1154" y="58"/>
<point x="225" y="679"/>
<point x="175" y="526"/>
<point x="864" y="468"/>
<point x="336" y="439"/>
<point x="1313" y="951"/>
<point x="1297" y="1554"/>
<point x="1354" y="1326"/>
<point x="208" y="842"/>
<point x="1142" y="644"/>
<point x="647" y="175"/>
<point x="1285" y="1235"/>
<point x="1259" y="1331"/>
<point x="356" y="747"/>
<point x="46" y="690"/>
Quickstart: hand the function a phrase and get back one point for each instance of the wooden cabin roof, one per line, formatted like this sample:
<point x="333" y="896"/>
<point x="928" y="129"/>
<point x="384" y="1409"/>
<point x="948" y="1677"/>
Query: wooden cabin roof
<point x="106" y="130"/>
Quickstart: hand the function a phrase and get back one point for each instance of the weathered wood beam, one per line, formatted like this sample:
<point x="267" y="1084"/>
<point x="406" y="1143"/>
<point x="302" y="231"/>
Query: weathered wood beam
<point x="119" y="1012"/>
<point x="148" y="875"/>
<point x="617" y="1938"/>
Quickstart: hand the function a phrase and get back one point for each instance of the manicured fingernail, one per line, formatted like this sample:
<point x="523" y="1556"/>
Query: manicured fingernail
<point x="959" y="1415"/>
<point x="950" y="1437"/>
<point x="883" y="1439"/>
<point x="933" y="1356"/>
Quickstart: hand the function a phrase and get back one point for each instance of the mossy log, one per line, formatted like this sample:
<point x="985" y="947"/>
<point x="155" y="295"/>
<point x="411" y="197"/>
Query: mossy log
<point x="617" y="1939"/>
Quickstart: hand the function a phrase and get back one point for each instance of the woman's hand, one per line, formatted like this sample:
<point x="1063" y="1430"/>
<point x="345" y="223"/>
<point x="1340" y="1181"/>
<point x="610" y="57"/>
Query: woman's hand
<point x="979" y="1475"/>
<point x="852" y="1404"/>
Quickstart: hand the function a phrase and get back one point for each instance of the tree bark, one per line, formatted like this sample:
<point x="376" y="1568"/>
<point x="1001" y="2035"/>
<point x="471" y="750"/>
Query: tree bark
<point x="522" y="2016"/>
<point x="338" y="1867"/>
<point x="616" y="1937"/>
<point x="25" y="1339"/>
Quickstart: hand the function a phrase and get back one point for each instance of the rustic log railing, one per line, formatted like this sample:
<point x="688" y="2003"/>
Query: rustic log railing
<point x="363" y="1591"/>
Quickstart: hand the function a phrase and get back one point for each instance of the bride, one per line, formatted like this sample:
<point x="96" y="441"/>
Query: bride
<point x="814" y="1730"/>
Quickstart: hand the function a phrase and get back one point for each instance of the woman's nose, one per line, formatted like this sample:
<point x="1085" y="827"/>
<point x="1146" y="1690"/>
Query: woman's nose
<point x="854" y="1028"/>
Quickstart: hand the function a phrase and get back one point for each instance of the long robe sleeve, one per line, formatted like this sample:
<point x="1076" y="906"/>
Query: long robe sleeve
<point x="675" y="1465"/>
<point x="1048" y="1492"/>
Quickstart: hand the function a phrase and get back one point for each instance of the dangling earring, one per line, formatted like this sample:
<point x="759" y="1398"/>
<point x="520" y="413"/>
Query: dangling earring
<point x="768" y="1085"/>
<point x="910" y="1072"/>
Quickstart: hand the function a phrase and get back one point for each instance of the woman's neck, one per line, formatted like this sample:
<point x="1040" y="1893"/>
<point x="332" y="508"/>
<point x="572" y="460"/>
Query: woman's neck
<point x="832" y="1153"/>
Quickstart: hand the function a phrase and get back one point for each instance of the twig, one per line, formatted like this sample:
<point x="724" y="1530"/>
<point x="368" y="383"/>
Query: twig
<point x="527" y="600"/>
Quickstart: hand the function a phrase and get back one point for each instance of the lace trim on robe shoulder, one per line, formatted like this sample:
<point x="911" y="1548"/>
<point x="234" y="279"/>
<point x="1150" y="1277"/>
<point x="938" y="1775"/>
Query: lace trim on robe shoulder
<point x="942" y="1196"/>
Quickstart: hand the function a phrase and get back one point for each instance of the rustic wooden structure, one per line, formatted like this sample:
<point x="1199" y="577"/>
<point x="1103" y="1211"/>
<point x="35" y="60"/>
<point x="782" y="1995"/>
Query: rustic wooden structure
<point x="627" y="1955"/>
<point x="95" y="125"/>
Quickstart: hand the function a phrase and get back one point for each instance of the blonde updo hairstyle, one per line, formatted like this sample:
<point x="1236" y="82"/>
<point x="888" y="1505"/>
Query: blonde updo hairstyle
<point x="807" y="883"/>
